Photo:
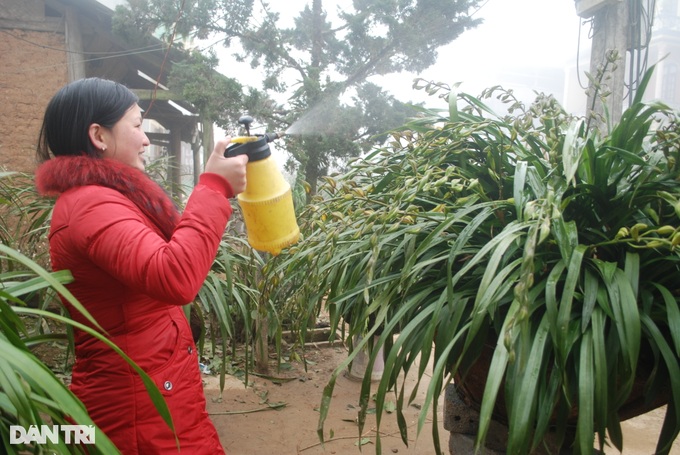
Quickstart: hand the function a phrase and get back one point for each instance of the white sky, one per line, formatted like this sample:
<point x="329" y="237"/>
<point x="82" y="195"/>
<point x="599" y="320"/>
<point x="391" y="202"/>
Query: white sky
<point x="515" y="34"/>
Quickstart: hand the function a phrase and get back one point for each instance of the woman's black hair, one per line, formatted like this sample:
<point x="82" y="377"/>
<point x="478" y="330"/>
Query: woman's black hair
<point x="74" y="108"/>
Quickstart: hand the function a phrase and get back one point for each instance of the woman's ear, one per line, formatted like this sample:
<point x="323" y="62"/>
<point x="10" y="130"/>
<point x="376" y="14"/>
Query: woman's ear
<point x="97" y="135"/>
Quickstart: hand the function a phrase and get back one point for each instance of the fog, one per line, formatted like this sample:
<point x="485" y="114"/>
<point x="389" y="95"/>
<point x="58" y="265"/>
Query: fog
<point x="524" y="45"/>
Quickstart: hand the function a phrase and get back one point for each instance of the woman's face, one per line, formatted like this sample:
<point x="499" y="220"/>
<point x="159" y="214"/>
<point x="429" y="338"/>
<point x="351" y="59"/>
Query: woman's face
<point x="125" y="142"/>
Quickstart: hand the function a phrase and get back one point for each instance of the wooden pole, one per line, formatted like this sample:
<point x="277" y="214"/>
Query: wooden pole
<point x="74" y="44"/>
<point x="175" y="161"/>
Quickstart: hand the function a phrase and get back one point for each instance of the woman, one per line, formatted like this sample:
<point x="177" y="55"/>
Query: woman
<point x="135" y="261"/>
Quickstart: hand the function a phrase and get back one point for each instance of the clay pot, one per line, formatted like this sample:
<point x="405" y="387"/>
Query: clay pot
<point x="470" y="387"/>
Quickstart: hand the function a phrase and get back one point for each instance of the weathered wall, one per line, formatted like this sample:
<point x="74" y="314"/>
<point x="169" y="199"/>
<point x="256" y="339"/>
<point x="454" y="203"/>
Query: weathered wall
<point x="32" y="68"/>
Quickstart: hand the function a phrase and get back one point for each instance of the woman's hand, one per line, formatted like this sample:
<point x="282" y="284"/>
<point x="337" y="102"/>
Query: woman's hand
<point x="233" y="169"/>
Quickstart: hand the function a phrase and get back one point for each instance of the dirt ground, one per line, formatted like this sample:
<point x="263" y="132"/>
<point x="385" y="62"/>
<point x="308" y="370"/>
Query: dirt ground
<point x="281" y="417"/>
<point x="292" y="428"/>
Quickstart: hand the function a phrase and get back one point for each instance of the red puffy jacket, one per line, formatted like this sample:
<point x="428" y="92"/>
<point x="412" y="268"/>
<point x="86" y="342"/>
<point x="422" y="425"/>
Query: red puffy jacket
<point x="135" y="262"/>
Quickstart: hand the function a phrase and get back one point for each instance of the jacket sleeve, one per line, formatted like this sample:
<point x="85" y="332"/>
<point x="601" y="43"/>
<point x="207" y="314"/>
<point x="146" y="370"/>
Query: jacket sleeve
<point x="110" y="230"/>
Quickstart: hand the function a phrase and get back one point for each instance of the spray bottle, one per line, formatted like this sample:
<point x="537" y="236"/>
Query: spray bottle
<point x="267" y="202"/>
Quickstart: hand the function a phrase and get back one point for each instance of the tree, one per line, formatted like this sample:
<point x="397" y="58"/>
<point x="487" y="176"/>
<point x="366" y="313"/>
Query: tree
<point x="323" y="58"/>
<point x="218" y="98"/>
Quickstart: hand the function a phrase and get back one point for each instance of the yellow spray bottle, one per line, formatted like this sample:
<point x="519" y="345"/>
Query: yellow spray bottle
<point x="267" y="202"/>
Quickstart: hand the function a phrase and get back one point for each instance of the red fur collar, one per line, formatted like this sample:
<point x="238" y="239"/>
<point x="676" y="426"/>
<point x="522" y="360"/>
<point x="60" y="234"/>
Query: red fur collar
<point x="60" y="174"/>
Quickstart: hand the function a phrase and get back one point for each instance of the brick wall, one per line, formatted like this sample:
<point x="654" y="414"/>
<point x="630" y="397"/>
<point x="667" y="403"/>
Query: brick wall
<point x="32" y="68"/>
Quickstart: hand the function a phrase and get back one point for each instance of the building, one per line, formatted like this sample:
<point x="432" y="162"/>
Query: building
<point x="46" y="43"/>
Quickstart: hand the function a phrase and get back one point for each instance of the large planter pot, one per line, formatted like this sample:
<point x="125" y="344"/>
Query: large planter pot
<point x="470" y="387"/>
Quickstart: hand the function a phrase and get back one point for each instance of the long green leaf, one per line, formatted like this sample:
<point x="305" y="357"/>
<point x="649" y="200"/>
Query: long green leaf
<point x="492" y="387"/>
<point x="524" y="395"/>
<point x="672" y="315"/>
<point x="585" y="432"/>
<point x="154" y="393"/>
<point x="51" y="280"/>
<point x="35" y="372"/>
<point x="670" y="428"/>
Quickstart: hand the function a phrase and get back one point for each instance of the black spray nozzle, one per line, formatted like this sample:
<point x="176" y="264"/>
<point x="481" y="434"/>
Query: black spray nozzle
<point x="273" y="136"/>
